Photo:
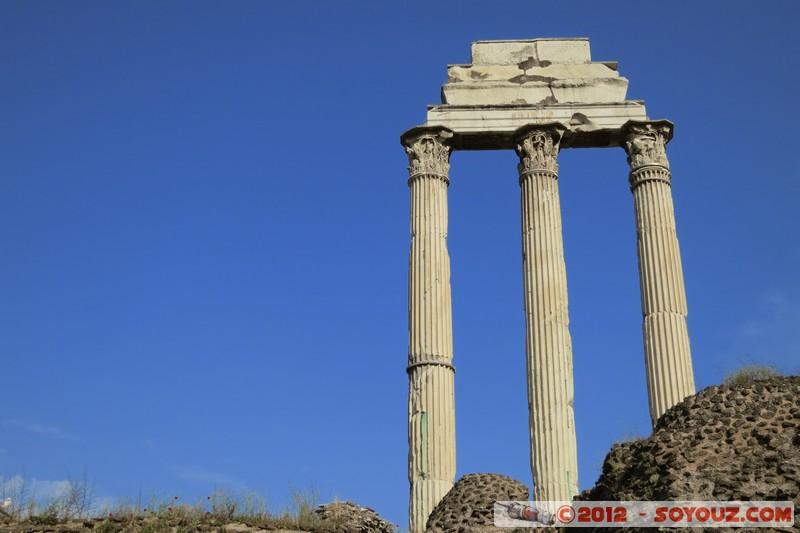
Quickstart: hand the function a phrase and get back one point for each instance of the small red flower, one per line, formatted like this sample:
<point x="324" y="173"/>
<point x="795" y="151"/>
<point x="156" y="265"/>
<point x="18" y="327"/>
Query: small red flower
<point x="208" y="497"/>
<point x="176" y="497"/>
<point x="169" y="508"/>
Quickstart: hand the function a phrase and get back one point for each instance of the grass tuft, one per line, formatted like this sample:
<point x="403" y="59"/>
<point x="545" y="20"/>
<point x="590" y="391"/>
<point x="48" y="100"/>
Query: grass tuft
<point x="159" y="515"/>
<point x="749" y="373"/>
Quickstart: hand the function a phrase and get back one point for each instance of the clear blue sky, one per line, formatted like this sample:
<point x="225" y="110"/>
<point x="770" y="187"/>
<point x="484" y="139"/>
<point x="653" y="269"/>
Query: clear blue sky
<point x="204" y="235"/>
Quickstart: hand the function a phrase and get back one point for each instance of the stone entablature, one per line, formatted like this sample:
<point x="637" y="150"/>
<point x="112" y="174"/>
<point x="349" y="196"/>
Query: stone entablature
<point x="533" y="72"/>
<point x="511" y="84"/>
<point x="484" y="127"/>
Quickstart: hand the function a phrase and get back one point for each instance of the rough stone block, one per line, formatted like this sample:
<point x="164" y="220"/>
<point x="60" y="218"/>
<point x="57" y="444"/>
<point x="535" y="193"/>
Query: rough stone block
<point x="544" y="51"/>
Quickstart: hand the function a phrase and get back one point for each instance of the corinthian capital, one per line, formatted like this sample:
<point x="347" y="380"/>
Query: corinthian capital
<point x="645" y="143"/>
<point x="537" y="147"/>
<point x="428" y="150"/>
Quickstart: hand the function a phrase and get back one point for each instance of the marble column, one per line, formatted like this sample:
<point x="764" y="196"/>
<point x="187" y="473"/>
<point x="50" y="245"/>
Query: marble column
<point x="668" y="360"/>
<point x="431" y="406"/>
<point x="554" y="457"/>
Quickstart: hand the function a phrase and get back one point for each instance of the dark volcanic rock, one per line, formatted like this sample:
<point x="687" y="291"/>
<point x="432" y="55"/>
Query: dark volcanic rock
<point x="739" y="442"/>
<point x="469" y="506"/>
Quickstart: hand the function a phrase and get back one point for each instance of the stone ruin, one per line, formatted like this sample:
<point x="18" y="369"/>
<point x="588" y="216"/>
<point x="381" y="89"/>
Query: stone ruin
<point x="348" y="517"/>
<point x="726" y="443"/>
<point x="535" y="97"/>
<point x="738" y="442"/>
<point x="469" y="506"/>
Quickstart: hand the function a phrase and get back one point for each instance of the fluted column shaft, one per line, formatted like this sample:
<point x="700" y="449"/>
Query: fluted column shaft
<point x="668" y="360"/>
<point x="431" y="406"/>
<point x="554" y="457"/>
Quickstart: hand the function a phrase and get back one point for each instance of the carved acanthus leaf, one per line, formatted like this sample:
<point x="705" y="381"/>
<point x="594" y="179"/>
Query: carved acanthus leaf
<point x="427" y="154"/>
<point x="538" y="150"/>
<point x="646" y="145"/>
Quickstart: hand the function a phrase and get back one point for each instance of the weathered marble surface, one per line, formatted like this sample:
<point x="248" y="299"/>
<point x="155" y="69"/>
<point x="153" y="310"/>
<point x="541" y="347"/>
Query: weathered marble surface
<point x="536" y="97"/>
<point x="510" y="84"/>
<point x="535" y="72"/>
